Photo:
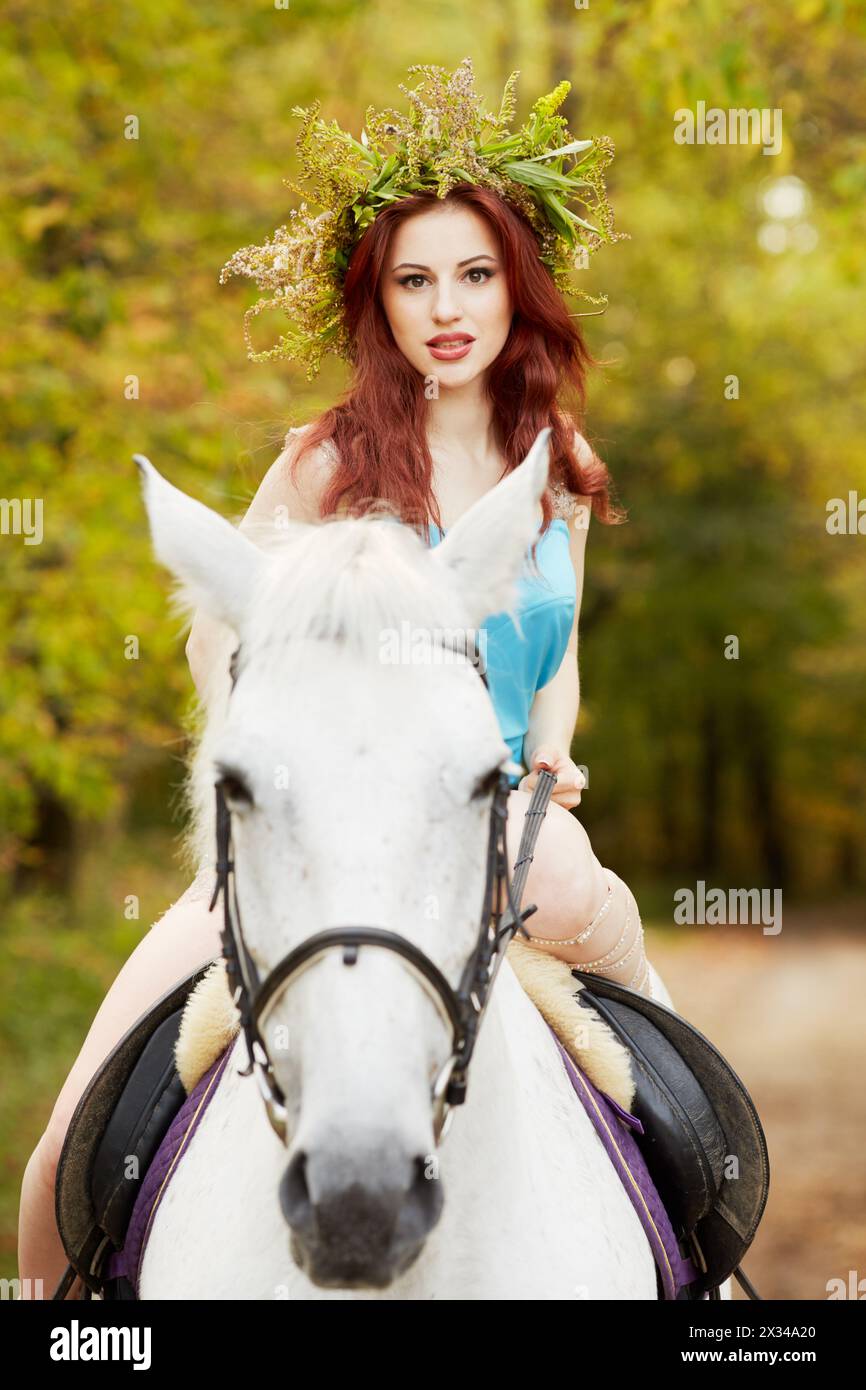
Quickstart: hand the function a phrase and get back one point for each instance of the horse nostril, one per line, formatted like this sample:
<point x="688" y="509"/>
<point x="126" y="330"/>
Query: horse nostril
<point x="423" y="1205"/>
<point x="295" y="1195"/>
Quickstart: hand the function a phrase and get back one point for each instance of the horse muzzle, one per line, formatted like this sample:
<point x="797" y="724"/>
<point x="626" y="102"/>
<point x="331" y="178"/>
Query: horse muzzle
<point x="358" y="1224"/>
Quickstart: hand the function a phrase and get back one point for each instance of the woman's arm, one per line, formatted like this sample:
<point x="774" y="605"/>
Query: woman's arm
<point x="553" y="715"/>
<point x="279" y="497"/>
<point x="554" y="711"/>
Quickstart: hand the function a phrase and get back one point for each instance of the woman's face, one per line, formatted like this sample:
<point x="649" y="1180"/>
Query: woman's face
<point x="445" y="295"/>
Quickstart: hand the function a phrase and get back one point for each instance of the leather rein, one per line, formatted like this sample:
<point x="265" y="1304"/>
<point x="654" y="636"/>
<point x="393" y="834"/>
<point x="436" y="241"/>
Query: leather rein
<point x="462" y="1008"/>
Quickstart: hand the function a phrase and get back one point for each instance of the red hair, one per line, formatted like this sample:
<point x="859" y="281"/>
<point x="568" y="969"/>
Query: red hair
<point x="378" y="428"/>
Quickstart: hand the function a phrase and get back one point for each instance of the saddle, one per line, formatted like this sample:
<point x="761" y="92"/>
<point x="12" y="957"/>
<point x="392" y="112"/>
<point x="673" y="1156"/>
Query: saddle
<point x="114" y="1134"/>
<point x="703" y="1141"/>
<point x="701" y="1137"/>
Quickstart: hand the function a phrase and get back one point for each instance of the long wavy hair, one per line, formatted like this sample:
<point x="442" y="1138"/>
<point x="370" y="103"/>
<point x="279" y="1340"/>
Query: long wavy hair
<point x="378" y="428"/>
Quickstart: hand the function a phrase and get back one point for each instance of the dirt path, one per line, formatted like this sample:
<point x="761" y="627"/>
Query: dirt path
<point x="788" y="1013"/>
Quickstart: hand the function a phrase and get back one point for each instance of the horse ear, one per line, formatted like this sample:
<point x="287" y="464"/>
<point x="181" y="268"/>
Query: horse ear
<point x="216" y="566"/>
<point x="485" y="549"/>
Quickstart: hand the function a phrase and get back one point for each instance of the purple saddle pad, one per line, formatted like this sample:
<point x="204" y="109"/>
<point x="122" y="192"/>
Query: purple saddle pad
<point x="126" y="1263"/>
<point x="614" y="1126"/>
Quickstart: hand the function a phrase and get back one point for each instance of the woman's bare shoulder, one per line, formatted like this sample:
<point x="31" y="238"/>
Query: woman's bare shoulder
<point x="296" y="436"/>
<point x="293" y="485"/>
<point x="315" y="462"/>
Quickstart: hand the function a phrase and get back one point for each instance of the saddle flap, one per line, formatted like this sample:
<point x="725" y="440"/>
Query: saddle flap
<point x="76" y="1214"/>
<point x="684" y="1141"/>
<point x="725" y="1232"/>
<point x="142" y="1113"/>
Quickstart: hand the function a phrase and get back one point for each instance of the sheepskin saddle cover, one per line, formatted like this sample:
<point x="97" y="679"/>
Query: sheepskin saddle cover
<point x="211" y="1020"/>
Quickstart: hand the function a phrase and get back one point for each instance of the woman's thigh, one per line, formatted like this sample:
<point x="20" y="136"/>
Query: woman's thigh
<point x="185" y="937"/>
<point x="569" y="885"/>
<point x="565" y="880"/>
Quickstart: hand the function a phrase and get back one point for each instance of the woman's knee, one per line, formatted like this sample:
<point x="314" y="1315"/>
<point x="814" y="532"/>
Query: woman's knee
<point x="199" y="891"/>
<point x="565" y="880"/>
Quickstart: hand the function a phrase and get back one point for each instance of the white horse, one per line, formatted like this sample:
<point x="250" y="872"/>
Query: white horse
<point x="359" y="788"/>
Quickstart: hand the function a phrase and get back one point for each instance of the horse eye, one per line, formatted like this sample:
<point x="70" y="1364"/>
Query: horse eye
<point x="487" y="784"/>
<point x="235" y="789"/>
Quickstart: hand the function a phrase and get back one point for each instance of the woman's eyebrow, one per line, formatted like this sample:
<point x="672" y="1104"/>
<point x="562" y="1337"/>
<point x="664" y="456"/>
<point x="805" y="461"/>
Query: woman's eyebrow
<point x="413" y="265"/>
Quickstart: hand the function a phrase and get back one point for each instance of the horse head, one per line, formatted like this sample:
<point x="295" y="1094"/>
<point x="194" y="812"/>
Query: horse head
<point x="357" y="753"/>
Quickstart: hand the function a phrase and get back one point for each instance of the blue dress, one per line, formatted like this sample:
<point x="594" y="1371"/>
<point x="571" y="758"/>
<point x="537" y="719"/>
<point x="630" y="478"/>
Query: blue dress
<point x="518" y="667"/>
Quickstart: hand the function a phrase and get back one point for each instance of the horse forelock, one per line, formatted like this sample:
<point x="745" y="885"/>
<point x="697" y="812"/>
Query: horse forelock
<point x="347" y="580"/>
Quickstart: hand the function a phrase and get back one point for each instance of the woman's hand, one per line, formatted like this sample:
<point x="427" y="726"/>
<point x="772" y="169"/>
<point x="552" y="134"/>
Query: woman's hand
<point x="570" y="781"/>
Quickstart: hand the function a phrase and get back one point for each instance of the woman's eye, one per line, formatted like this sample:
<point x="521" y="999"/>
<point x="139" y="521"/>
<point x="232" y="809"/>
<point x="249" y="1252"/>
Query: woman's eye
<point x="482" y="271"/>
<point x="407" y="280"/>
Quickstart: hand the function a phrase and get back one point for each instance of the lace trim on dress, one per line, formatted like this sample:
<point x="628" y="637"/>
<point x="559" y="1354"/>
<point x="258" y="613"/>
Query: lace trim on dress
<point x="565" y="502"/>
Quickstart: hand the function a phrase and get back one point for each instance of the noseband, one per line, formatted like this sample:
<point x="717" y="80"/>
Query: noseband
<point x="462" y="1009"/>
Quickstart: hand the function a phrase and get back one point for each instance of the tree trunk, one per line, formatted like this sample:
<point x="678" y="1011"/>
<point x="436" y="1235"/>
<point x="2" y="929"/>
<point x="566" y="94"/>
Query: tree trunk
<point x="563" y="27"/>
<point x="759" y="748"/>
<point x="708" y="791"/>
<point x="48" y="858"/>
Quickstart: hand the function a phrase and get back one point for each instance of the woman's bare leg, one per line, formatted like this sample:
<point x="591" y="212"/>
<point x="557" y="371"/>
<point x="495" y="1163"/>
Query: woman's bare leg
<point x="586" y="914"/>
<point x="185" y="937"/>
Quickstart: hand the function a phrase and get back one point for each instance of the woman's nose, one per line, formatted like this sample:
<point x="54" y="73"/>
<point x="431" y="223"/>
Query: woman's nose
<point x="445" y="307"/>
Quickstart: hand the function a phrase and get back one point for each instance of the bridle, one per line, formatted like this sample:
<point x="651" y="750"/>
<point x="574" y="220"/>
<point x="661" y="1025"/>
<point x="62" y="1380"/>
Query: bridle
<point x="462" y="1009"/>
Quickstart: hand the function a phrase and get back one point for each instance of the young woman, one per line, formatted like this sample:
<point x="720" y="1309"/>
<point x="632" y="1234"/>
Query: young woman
<point x="462" y="345"/>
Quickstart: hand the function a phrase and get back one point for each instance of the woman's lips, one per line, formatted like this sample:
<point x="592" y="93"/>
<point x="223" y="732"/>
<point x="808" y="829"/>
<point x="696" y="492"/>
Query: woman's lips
<point x="450" y="351"/>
